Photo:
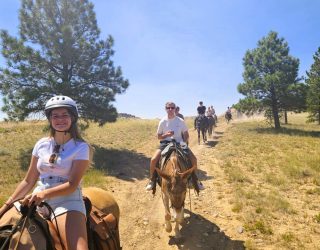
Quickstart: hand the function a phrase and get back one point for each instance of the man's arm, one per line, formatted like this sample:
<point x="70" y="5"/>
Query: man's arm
<point x="165" y="135"/>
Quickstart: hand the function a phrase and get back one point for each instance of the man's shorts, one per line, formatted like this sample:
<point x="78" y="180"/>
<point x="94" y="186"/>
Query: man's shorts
<point x="164" y="144"/>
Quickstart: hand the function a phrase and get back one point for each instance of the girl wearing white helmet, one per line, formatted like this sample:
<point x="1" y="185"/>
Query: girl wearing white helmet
<point x="58" y="163"/>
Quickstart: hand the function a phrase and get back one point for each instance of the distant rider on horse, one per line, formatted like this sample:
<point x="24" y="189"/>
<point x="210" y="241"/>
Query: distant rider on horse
<point x="209" y="112"/>
<point x="228" y="114"/>
<point x="172" y="127"/>
<point x="201" y="109"/>
<point x="177" y="112"/>
<point x="201" y="118"/>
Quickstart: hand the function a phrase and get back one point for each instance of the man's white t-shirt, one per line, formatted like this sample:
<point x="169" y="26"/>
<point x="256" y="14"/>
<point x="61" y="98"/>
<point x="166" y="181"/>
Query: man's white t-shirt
<point x="175" y="124"/>
<point x="70" y="151"/>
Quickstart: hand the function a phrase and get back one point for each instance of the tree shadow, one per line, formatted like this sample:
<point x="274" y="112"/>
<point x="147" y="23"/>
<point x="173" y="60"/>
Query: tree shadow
<point x="123" y="164"/>
<point x="200" y="233"/>
<point x="288" y="131"/>
<point x="218" y="132"/>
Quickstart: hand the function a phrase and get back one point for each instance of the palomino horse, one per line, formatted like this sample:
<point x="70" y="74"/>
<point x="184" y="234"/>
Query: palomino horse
<point x="36" y="234"/>
<point x="174" y="180"/>
<point x="201" y="124"/>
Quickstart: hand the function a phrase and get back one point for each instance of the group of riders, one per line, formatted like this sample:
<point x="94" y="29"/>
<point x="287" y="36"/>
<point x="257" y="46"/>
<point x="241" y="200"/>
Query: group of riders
<point x="206" y="118"/>
<point x="59" y="161"/>
<point x="172" y="127"/>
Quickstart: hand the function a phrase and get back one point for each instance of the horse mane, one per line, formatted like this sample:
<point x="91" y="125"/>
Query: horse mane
<point x="174" y="160"/>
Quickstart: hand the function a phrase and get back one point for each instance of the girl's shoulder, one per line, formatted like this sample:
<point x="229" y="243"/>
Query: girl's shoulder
<point x="44" y="140"/>
<point x="78" y="143"/>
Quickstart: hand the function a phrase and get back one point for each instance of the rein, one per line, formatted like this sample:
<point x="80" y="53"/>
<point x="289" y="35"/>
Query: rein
<point x="26" y="214"/>
<point x="55" y="220"/>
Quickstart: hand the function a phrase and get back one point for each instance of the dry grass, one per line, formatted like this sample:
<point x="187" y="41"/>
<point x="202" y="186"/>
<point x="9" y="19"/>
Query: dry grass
<point x="275" y="177"/>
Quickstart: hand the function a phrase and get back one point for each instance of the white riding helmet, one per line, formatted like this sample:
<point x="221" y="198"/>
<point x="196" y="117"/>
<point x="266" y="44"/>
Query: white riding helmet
<point x="61" y="101"/>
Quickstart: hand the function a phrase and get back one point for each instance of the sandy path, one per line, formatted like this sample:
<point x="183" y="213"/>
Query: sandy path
<point x="209" y="224"/>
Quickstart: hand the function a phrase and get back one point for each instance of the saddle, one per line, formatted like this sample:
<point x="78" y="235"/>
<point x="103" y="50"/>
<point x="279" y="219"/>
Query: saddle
<point x="102" y="229"/>
<point x="23" y="228"/>
<point x="183" y="154"/>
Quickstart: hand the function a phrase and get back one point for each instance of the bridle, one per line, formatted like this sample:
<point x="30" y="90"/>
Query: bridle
<point x="27" y="213"/>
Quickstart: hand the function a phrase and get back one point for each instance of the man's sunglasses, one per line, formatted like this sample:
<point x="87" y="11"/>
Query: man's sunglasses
<point x="54" y="156"/>
<point x="170" y="107"/>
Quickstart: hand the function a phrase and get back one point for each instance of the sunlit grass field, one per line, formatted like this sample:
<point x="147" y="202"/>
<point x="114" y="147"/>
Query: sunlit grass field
<point x="276" y="179"/>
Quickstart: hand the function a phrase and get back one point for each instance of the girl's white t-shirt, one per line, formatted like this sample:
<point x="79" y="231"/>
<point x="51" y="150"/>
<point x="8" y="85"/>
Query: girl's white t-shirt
<point x="175" y="124"/>
<point x="68" y="152"/>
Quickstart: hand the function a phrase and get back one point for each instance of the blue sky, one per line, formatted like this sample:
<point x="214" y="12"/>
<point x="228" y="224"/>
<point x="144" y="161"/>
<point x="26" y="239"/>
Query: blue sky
<point x="188" y="51"/>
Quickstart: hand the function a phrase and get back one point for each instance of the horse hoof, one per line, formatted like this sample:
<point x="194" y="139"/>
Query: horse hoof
<point x="168" y="227"/>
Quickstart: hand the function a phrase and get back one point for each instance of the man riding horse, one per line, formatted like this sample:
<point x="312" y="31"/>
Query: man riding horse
<point x="169" y="128"/>
<point x="228" y="114"/>
<point x="201" y="122"/>
<point x="211" y="120"/>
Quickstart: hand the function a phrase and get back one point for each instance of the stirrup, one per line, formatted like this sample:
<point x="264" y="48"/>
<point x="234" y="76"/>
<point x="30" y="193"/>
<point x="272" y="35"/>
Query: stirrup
<point x="150" y="185"/>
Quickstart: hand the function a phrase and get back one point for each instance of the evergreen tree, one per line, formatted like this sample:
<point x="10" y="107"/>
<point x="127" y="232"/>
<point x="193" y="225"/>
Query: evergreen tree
<point x="59" y="52"/>
<point x="269" y="70"/>
<point x="313" y="95"/>
<point x="248" y="106"/>
<point x="294" y="99"/>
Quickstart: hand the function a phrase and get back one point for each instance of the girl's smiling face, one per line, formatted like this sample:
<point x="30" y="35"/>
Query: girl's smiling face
<point x="60" y="119"/>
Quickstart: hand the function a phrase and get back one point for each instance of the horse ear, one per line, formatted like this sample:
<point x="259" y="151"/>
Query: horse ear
<point x="184" y="176"/>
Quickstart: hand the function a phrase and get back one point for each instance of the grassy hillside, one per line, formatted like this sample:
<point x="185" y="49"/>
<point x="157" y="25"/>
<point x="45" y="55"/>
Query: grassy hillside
<point x="276" y="180"/>
<point x="275" y="175"/>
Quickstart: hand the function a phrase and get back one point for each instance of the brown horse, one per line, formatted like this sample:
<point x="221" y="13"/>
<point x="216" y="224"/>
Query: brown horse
<point x="174" y="187"/>
<point x="34" y="237"/>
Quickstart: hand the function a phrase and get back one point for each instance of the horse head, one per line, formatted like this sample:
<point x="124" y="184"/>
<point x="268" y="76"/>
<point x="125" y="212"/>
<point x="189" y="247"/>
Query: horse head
<point x="175" y="181"/>
<point x="174" y="189"/>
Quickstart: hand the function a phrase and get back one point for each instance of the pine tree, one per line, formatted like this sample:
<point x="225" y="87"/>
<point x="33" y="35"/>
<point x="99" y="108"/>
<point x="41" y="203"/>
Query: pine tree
<point x="59" y="52"/>
<point x="269" y="70"/>
<point x="313" y="94"/>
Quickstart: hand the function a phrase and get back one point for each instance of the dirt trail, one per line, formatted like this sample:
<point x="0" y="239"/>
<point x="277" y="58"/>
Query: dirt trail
<point x="209" y="224"/>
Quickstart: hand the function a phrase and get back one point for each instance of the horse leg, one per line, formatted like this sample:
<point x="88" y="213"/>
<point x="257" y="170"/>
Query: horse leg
<point x="179" y="220"/>
<point x="205" y="134"/>
<point x="204" y="137"/>
<point x="167" y="217"/>
<point x="202" y="134"/>
<point x="198" y="135"/>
